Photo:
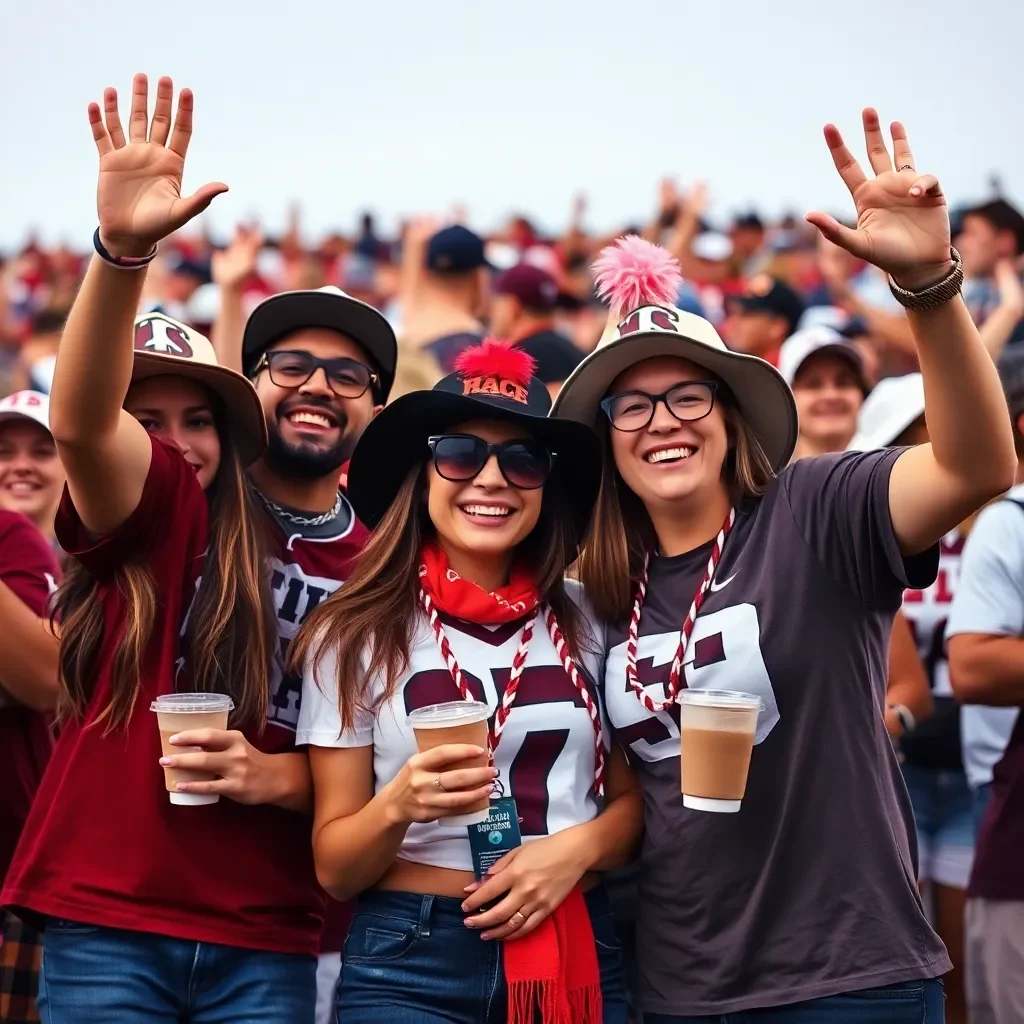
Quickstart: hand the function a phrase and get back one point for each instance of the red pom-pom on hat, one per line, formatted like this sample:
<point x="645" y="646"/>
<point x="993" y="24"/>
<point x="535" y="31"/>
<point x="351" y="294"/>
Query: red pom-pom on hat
<point x="496" y="358"/>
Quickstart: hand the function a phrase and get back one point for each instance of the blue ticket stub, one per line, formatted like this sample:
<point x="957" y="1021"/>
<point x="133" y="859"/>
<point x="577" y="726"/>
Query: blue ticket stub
<point x="490" y="840"/>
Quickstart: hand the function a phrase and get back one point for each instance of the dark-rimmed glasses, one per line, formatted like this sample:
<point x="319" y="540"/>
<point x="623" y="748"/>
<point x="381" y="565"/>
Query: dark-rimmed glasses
<point x="460" y="457"/>
<point x="633" y="410"/>
<point x="347" y="378"/>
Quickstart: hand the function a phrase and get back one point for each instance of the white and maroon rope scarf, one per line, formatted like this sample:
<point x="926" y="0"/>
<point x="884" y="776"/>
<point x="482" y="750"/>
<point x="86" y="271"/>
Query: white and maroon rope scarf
<point x="633" y="636"/>
<point x="518" y="663"/>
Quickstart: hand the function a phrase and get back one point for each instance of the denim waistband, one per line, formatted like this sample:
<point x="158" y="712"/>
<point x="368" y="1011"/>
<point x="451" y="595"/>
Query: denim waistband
<point x="444" y="911"/>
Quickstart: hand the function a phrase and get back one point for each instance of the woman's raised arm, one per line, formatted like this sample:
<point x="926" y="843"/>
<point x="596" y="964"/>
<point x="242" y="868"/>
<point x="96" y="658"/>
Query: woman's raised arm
<point x="903" y="228"/>
<point x="105" y="451"/>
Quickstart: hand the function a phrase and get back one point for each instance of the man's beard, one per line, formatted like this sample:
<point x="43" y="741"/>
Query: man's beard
<point x="306" y="460"/>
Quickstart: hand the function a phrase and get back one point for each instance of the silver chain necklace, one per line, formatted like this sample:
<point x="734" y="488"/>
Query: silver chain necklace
<point x="320" y="520"/>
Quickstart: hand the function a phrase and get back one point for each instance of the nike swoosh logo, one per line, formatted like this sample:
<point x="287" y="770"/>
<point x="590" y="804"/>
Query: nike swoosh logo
<point x="716" y="586"/>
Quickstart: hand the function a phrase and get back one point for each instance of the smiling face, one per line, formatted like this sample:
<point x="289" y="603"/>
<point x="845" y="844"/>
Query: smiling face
<point x="180" y="411"/>
<point x="312" y="431"/>
<point x="669" y="460"/>
<point x="31" y="475"/>
<point x="483" y="519"/>
<point x="828" y="398"/>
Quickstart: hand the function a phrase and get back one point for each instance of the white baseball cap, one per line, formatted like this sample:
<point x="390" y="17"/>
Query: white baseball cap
<point x="799" y="347"/>
<point x="893" y="405"/>
<point x="29" y="405"/>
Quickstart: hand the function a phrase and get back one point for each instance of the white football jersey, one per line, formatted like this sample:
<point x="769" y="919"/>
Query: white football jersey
<point x="546" y="750"/>
<point x="927" y="611"/>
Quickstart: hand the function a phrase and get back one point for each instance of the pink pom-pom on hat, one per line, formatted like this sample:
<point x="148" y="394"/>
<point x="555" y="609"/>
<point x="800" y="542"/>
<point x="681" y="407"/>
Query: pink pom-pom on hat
<point x="496" y="358"/>
<point x="633" y="272"/>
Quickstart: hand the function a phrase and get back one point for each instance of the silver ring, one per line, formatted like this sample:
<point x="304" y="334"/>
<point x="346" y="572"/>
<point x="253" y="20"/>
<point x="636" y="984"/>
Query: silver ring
<point x="905" y="167"/>
<point x="437" y="783"/>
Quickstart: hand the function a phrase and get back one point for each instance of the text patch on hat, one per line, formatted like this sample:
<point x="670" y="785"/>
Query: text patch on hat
<point x="497" y="386"/>
<point x="155" y="334"/>
<point x="649" y="318"/>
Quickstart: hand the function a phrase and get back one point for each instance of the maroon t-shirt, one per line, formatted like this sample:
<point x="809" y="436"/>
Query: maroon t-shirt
<point x="997" y="874"/>
<point x="103" y="844"/>
<point x="28" y="567"/>
<point x="810" y="889"/>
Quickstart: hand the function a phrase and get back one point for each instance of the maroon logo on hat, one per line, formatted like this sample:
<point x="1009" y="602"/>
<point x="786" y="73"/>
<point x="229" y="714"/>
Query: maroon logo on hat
<point x="20" y="398"/>
<point x="154" y="334"/>
<point x="659" y="319"/>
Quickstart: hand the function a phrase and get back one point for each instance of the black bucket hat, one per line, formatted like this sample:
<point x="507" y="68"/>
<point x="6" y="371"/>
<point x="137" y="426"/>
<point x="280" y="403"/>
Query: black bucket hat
<point x="326" y="307"/>
<point x="492" y="381"/>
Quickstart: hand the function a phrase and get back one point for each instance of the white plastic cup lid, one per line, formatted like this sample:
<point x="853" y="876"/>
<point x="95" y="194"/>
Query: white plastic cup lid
<point x="192" y="703"/>
<point x="453" y="712"/>
<point x="732" y="700"/>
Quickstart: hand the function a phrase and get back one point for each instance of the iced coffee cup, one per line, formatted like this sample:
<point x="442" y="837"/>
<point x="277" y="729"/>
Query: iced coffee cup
<point x="717" y="733"/>
<point x="183" y="712"/>
<point x="458" y="721"/>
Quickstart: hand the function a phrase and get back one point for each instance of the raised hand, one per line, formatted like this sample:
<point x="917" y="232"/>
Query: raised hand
<point x="902" y="221"/>
<point x="233" y="266"/>
<point x="138" y="196"/>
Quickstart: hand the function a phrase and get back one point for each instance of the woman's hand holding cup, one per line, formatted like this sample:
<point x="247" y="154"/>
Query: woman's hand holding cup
<point x="431" y="784"/>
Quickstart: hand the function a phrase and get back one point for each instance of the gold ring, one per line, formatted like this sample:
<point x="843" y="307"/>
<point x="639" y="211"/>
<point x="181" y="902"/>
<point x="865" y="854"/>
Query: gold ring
<point x="437" y="782"/>
<point x="520" y="915"/>
<point x="905" y="167"/>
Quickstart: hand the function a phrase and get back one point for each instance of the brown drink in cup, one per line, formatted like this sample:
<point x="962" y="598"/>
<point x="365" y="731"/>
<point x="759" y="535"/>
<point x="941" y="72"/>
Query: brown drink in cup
<point x="183" y="712"/>
<point x="717" y="730"/>
<point x="458" y="721"/>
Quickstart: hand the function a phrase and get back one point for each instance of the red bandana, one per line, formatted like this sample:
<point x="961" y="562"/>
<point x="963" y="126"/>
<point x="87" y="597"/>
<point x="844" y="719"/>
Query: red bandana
<point x="465" y="600"/>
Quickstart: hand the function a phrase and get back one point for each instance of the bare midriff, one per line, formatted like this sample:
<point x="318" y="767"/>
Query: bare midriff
<point x="407" y="876"/>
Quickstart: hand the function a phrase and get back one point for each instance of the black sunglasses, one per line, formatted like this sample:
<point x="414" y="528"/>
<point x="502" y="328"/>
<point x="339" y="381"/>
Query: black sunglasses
<point x="633" y="410"/>
<point x="523" y="464"/>
<point x="347" y="378"/>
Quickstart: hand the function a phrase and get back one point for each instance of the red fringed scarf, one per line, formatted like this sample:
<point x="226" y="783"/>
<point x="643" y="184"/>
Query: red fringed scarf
<point x="553" y="971"/>
<point x="552" y="974"/>
<point x="465" y="600"/>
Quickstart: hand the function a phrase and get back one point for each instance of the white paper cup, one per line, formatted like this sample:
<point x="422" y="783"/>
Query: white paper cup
<point x="716" y="730"/>
<point x="181" y="712"/>
<point x="457" y="721"/>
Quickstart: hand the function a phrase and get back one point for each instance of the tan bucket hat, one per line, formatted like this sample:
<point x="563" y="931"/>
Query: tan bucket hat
<point x="648" y="330"/>
<point x="168" y="347"/>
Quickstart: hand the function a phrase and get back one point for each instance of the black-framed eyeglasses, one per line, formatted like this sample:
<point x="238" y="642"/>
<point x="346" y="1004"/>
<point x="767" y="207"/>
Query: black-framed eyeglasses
<point x="347" y="378"/>
<point x="634" y="410"/>
<point x="460" y="457"/>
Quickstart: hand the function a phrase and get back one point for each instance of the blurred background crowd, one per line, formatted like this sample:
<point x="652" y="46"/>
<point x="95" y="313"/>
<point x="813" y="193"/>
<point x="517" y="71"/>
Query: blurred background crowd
<point x="444" y="285"/>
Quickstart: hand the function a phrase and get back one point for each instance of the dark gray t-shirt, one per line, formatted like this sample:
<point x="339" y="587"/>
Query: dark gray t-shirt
<point x="810" y="889"/>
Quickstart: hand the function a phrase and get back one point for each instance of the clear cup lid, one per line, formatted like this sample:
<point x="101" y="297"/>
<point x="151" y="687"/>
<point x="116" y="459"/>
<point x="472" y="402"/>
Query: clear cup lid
<point x="727" y="699"/>
<point x="192" y="703"/>
<point x="453" y="712"/>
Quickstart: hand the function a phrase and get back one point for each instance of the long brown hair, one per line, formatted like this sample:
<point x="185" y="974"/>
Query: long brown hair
<point x="371" y="621"/>
<point x="231" y="636"/>
<point x="621" y="532"/>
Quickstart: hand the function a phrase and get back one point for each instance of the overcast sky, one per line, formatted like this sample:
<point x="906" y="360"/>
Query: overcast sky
<point x="404" y="106"/>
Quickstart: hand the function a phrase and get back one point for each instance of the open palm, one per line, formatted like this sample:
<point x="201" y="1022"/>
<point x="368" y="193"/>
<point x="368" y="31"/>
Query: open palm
<point x="138" y="197"/>
<point x="902" y="220"/>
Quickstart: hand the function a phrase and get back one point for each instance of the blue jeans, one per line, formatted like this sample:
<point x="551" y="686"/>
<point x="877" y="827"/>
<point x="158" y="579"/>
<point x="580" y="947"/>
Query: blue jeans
<point x="945" y="825"/>
<point x="410" y="959"/>
<point x="912" y="1002"/>
<point x="94" y="975"/>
